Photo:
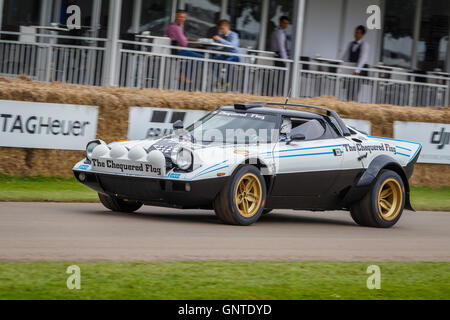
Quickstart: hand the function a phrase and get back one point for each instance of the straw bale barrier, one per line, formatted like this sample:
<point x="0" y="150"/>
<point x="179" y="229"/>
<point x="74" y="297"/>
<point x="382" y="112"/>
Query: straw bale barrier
<point x="114" y="102"/>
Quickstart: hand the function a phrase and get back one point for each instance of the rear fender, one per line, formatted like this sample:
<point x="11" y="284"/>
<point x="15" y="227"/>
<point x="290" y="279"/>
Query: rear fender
<point x="368" y="178"/>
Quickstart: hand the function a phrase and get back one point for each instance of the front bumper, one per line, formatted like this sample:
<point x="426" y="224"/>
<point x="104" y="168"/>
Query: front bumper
<point x="197" y="194"/>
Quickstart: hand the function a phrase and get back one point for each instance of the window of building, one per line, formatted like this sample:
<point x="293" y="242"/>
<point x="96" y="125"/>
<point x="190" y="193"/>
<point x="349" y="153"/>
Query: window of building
<point x="155" y="16"/>
<point x="245" y="17"/>
<point x="278" y="9"/>
<point x="202" y="19"/>
<point x="434" y="31"/>
<point x="18" y="13"/>
<point x="398" y="33"/>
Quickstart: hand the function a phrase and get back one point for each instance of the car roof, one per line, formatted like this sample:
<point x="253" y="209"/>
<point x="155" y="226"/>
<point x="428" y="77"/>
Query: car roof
<point x="276" y="111"/>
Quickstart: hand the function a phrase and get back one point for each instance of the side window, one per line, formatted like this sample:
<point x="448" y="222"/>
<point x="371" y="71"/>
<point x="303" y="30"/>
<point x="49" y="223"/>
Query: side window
<point x="311" y="129"/>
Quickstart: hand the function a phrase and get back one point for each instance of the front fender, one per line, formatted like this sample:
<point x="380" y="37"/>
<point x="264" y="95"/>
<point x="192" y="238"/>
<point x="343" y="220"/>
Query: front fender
<point x="264" y="166"/>
<point x="368" y="178"/>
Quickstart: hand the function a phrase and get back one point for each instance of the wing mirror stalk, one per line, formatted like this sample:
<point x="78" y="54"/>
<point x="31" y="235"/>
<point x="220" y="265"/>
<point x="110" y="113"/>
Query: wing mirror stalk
<point x="296" y="137"/>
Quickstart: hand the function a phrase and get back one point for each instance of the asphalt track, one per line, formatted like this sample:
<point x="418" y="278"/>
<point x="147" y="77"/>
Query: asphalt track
<point x="88" y="232"/>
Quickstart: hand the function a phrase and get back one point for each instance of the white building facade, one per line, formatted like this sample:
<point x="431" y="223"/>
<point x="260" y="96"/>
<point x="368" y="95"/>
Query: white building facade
<point x="414" y="34"/>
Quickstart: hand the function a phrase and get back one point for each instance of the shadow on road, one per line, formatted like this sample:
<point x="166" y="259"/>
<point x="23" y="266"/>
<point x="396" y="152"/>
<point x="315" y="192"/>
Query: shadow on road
<point x="208" y="217"/>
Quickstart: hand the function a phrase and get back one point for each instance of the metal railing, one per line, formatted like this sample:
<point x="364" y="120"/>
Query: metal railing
<point x="48" y="57"/>
<point x="47" y="60"/>
<point x="146" y="67"/>
<point x="373" y="85"/>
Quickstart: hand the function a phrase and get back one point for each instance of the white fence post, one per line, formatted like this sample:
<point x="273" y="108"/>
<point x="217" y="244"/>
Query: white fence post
<point x="111" y="61"/>
<point x="49" y="64"/>
<point x="299" y="14"/>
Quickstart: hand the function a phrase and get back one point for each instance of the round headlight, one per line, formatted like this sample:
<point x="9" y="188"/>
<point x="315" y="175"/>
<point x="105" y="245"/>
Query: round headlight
<point x="183" y="159"/>
<point x="90" y="147"/>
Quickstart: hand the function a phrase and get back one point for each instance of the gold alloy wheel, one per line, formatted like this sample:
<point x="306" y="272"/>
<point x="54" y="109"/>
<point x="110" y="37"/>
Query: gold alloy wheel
<point x="390" y="198"/>
<point x="248" y="195"/>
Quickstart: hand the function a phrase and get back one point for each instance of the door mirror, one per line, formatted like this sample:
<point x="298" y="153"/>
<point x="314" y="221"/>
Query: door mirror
<point x="178" y="125"/>
<point x="296" y="137"/>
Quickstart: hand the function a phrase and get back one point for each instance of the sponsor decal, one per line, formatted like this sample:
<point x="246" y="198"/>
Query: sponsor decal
<point x="174" y="175"/>
<point x="384" y="147"/>
<point x="126" y="167"/>
<point x="242" y="115"/>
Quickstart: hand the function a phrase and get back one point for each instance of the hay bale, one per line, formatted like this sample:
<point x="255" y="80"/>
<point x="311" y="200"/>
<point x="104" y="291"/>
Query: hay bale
<point x="113" y="101"/>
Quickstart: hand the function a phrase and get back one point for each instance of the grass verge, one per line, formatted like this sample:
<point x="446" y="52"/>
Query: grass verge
<point x="431" y="199"/>
<point x="225" y="280"/>
<point x="69" y="190"/>
<point x="40" y="188"/>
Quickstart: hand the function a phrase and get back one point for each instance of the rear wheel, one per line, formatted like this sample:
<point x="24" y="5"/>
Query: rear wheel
<point x="119" y="205"/>
<point x="241" y="201"/>
<point x="383" y="205"/>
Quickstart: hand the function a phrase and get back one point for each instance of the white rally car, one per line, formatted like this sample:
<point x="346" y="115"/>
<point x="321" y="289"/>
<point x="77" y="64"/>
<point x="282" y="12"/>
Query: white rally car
<point x="246" y="160"/>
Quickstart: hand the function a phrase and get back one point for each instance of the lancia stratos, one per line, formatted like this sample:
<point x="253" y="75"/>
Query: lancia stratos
<point x="246" y="160"/>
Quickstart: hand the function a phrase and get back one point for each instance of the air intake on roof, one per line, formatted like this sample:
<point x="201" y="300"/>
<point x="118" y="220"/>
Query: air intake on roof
<point x="246" y="106"/>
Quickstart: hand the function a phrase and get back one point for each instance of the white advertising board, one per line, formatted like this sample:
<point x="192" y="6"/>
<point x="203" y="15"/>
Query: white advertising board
<point x="360" y="125"/>
<point x="434" y="137"/>
<point x="153" y="123"/>
<point x="46" y="125"/>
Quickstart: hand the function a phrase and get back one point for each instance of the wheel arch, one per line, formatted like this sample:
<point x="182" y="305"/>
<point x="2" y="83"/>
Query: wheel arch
<point x="263" y="166"/>
<point x="368" y="178"/>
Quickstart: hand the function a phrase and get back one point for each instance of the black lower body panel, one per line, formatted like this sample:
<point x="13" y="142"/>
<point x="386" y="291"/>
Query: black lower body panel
<point x="318" y="190"/>
<point x="158" y="192"/>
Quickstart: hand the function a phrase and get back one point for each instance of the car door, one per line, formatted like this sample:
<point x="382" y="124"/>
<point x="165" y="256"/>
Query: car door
<point x="309" y="167"/>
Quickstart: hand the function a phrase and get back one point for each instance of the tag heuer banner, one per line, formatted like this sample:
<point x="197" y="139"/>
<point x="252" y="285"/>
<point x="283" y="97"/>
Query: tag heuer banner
<point x="46" y="125"/>
<point x="434" y="137"/>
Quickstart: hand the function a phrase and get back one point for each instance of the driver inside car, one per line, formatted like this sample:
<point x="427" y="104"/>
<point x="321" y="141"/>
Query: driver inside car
<point x="285" y="130"/>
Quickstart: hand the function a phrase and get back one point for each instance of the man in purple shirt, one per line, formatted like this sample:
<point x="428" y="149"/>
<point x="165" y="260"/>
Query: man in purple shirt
<point x="176" y="34"/>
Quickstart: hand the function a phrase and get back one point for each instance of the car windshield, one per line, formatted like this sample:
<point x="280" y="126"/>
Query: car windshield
<point x="234" y="127"/>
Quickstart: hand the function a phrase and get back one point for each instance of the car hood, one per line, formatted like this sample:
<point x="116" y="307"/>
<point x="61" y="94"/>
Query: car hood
<point x="203" y="153"/>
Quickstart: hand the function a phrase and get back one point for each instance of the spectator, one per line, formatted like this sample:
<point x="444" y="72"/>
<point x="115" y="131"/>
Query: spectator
<point x="278" y="41"/>
<point x="176" y="34"/>
<point x="228" y="38"/>
<point x="358" y="51"/>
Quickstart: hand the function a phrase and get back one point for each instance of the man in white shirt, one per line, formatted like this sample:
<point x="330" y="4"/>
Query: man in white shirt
<point x="278" y="41"/>
<point x="358" y="51"/>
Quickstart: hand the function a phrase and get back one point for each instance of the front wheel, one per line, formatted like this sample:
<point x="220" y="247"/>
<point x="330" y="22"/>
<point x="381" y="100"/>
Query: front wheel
<point x="383" y="205"/>
<point x="241" y="201"/>
<point x="119" y="205"/>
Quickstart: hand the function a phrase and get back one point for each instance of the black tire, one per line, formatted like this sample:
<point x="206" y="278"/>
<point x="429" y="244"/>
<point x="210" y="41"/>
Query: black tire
<point x="225" y="204"/>
<point x="119" y="205"/>
<point x="367" y="212"/>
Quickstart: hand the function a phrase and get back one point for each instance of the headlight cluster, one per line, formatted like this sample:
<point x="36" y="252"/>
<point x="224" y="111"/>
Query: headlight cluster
<point x="182" y="158"/>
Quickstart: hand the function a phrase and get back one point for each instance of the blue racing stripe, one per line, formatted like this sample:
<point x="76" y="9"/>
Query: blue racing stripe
<point x="403" y="148"/>
<point x="394" y="140"/>
<point x="304" y="155"/>
<point x="211" y="167"/>
<point x="420" y="146"/>
<point x="402" y="154"/>
<point x="198" y="175"/>
<point x="310" y="148"/>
